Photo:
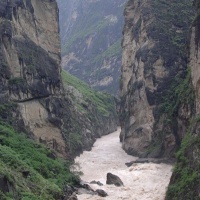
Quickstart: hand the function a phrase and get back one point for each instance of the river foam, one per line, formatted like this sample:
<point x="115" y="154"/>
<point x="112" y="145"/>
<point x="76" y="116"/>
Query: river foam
<point x="146" y="181"/>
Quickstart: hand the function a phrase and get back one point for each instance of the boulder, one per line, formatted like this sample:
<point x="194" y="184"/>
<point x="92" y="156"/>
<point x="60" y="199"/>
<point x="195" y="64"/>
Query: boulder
<point x="96" y="182"/>
<point x="101" y="193"/>
<point x="84" y="188"/>
<point x="69" y="192"/>
<point x="113" y="179"/>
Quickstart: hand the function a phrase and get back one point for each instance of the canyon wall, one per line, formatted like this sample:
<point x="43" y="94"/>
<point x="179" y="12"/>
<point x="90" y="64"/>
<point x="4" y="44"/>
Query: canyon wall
<point x="31" y="83"/>
<point x="153" y="87"/>
<point x="185" y="180"/>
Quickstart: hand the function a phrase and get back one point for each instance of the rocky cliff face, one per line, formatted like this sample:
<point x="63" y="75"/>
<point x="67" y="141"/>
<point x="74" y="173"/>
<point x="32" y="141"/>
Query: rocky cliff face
<point x="30" y="65"/>
<point x="185" y="180"/>
<point x="31" y="85"/>
<point x="91" y="41"/>
<point x="154" y="78"/>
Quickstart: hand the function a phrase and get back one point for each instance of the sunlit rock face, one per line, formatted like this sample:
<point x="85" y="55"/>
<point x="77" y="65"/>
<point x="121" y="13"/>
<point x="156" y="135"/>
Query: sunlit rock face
<point x="30" y="66"/>
<point x="153" y="62"/>
<point x="33" y="97"/>
<point x="30" y="48"/>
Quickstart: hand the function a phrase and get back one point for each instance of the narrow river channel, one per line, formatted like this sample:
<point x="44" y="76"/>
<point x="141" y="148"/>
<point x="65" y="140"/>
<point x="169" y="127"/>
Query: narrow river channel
<point x="146" y="181"/>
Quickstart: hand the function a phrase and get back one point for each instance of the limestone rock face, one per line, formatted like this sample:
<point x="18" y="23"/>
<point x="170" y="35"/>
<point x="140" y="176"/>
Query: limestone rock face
<point x="30" y="64"/>
<point x="31" y="87"/>
<point x="153" y="56"/>
<point x="194" y="59"/>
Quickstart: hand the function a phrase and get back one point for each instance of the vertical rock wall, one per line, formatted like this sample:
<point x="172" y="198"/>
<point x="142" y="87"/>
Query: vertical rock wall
<point x="153" y="63"/>
<point x="31" y="87"/>
<point x="185" y="180"/>
<point x="30" y="64"/>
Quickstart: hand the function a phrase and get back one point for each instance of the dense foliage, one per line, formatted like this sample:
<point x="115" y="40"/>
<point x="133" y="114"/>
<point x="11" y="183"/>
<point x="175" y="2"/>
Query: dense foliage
<point x="29" y="170"/>
<point x="186" y="179"/>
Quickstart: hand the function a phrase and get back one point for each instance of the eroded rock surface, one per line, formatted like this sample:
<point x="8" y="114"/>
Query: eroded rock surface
<point x="185" y="180"/>
<point x="31" y="85"/>
<point x="153" y="62"/>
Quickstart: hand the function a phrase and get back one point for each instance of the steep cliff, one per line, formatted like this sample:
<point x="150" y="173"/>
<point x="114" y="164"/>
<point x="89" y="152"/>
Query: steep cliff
<point x="91" y="41"/>
<point x="35" y="101"/>
<point x="94" y="113"/>
<point x="185" y="181"/>
<point x="30" y="71"/>
<point x="30" y="65"/>
<point x="156" y="102"/>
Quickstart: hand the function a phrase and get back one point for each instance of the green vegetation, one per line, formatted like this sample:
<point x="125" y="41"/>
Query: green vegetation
<point x="82" y="33"/>
<point x="186" y="178"/>
<point x="180" y="92"/>
<point x="74" y="139"/>
<point x="103" y="102"/>
<point x="114" y="50"/>
<point x="29" y="170"/>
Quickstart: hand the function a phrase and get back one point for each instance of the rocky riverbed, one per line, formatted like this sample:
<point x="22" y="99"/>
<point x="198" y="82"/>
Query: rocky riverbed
<point x="142" y="181"/>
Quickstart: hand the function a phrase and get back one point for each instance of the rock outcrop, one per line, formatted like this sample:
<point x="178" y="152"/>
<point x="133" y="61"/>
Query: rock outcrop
<point x="33" y="98"/>
<point x="154" y="80"/>
<point x="91" y="37"/>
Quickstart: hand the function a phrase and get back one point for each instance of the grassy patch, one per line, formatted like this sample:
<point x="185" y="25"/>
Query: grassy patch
<point x="186" y="179"/>
<point x="114" y="50"/>
<point x="180" y="92"/>
<point x="103" y="102"/>
<point x="45" y="178"/>
<point x="84" y="32"/>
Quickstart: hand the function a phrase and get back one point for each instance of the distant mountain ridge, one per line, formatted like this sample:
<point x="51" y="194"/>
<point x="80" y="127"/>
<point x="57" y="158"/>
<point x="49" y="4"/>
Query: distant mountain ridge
<point x="91" y="34"/>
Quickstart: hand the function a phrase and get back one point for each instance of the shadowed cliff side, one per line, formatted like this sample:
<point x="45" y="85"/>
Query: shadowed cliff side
<point x="156" y="102"/>
<point x="185" y="181"/>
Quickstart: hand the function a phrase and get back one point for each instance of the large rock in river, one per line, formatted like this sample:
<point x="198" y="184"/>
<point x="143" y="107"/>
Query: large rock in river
<point x="113" y="179"/>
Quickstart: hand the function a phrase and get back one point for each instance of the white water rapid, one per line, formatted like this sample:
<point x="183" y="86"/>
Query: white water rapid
<point x="146" y="181"/>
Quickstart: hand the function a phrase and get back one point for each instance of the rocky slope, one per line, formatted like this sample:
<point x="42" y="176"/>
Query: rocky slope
<point x="92" y="114"/>
<point x="185" y="180"/>
<point x="156" y="99"/>
<point x="33" y="100"/>
<point x="91" y="41"/>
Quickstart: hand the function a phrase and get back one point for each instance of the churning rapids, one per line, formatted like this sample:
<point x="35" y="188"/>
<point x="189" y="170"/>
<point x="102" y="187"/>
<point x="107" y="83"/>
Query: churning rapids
<point x="146" y="181"/>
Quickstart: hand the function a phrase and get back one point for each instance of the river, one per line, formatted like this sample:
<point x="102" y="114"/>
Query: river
<point x="146" y="181"/>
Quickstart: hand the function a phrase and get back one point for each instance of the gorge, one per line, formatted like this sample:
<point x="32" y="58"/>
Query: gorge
<point x="91" y="34"/>
<point x="48" y="117"/>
